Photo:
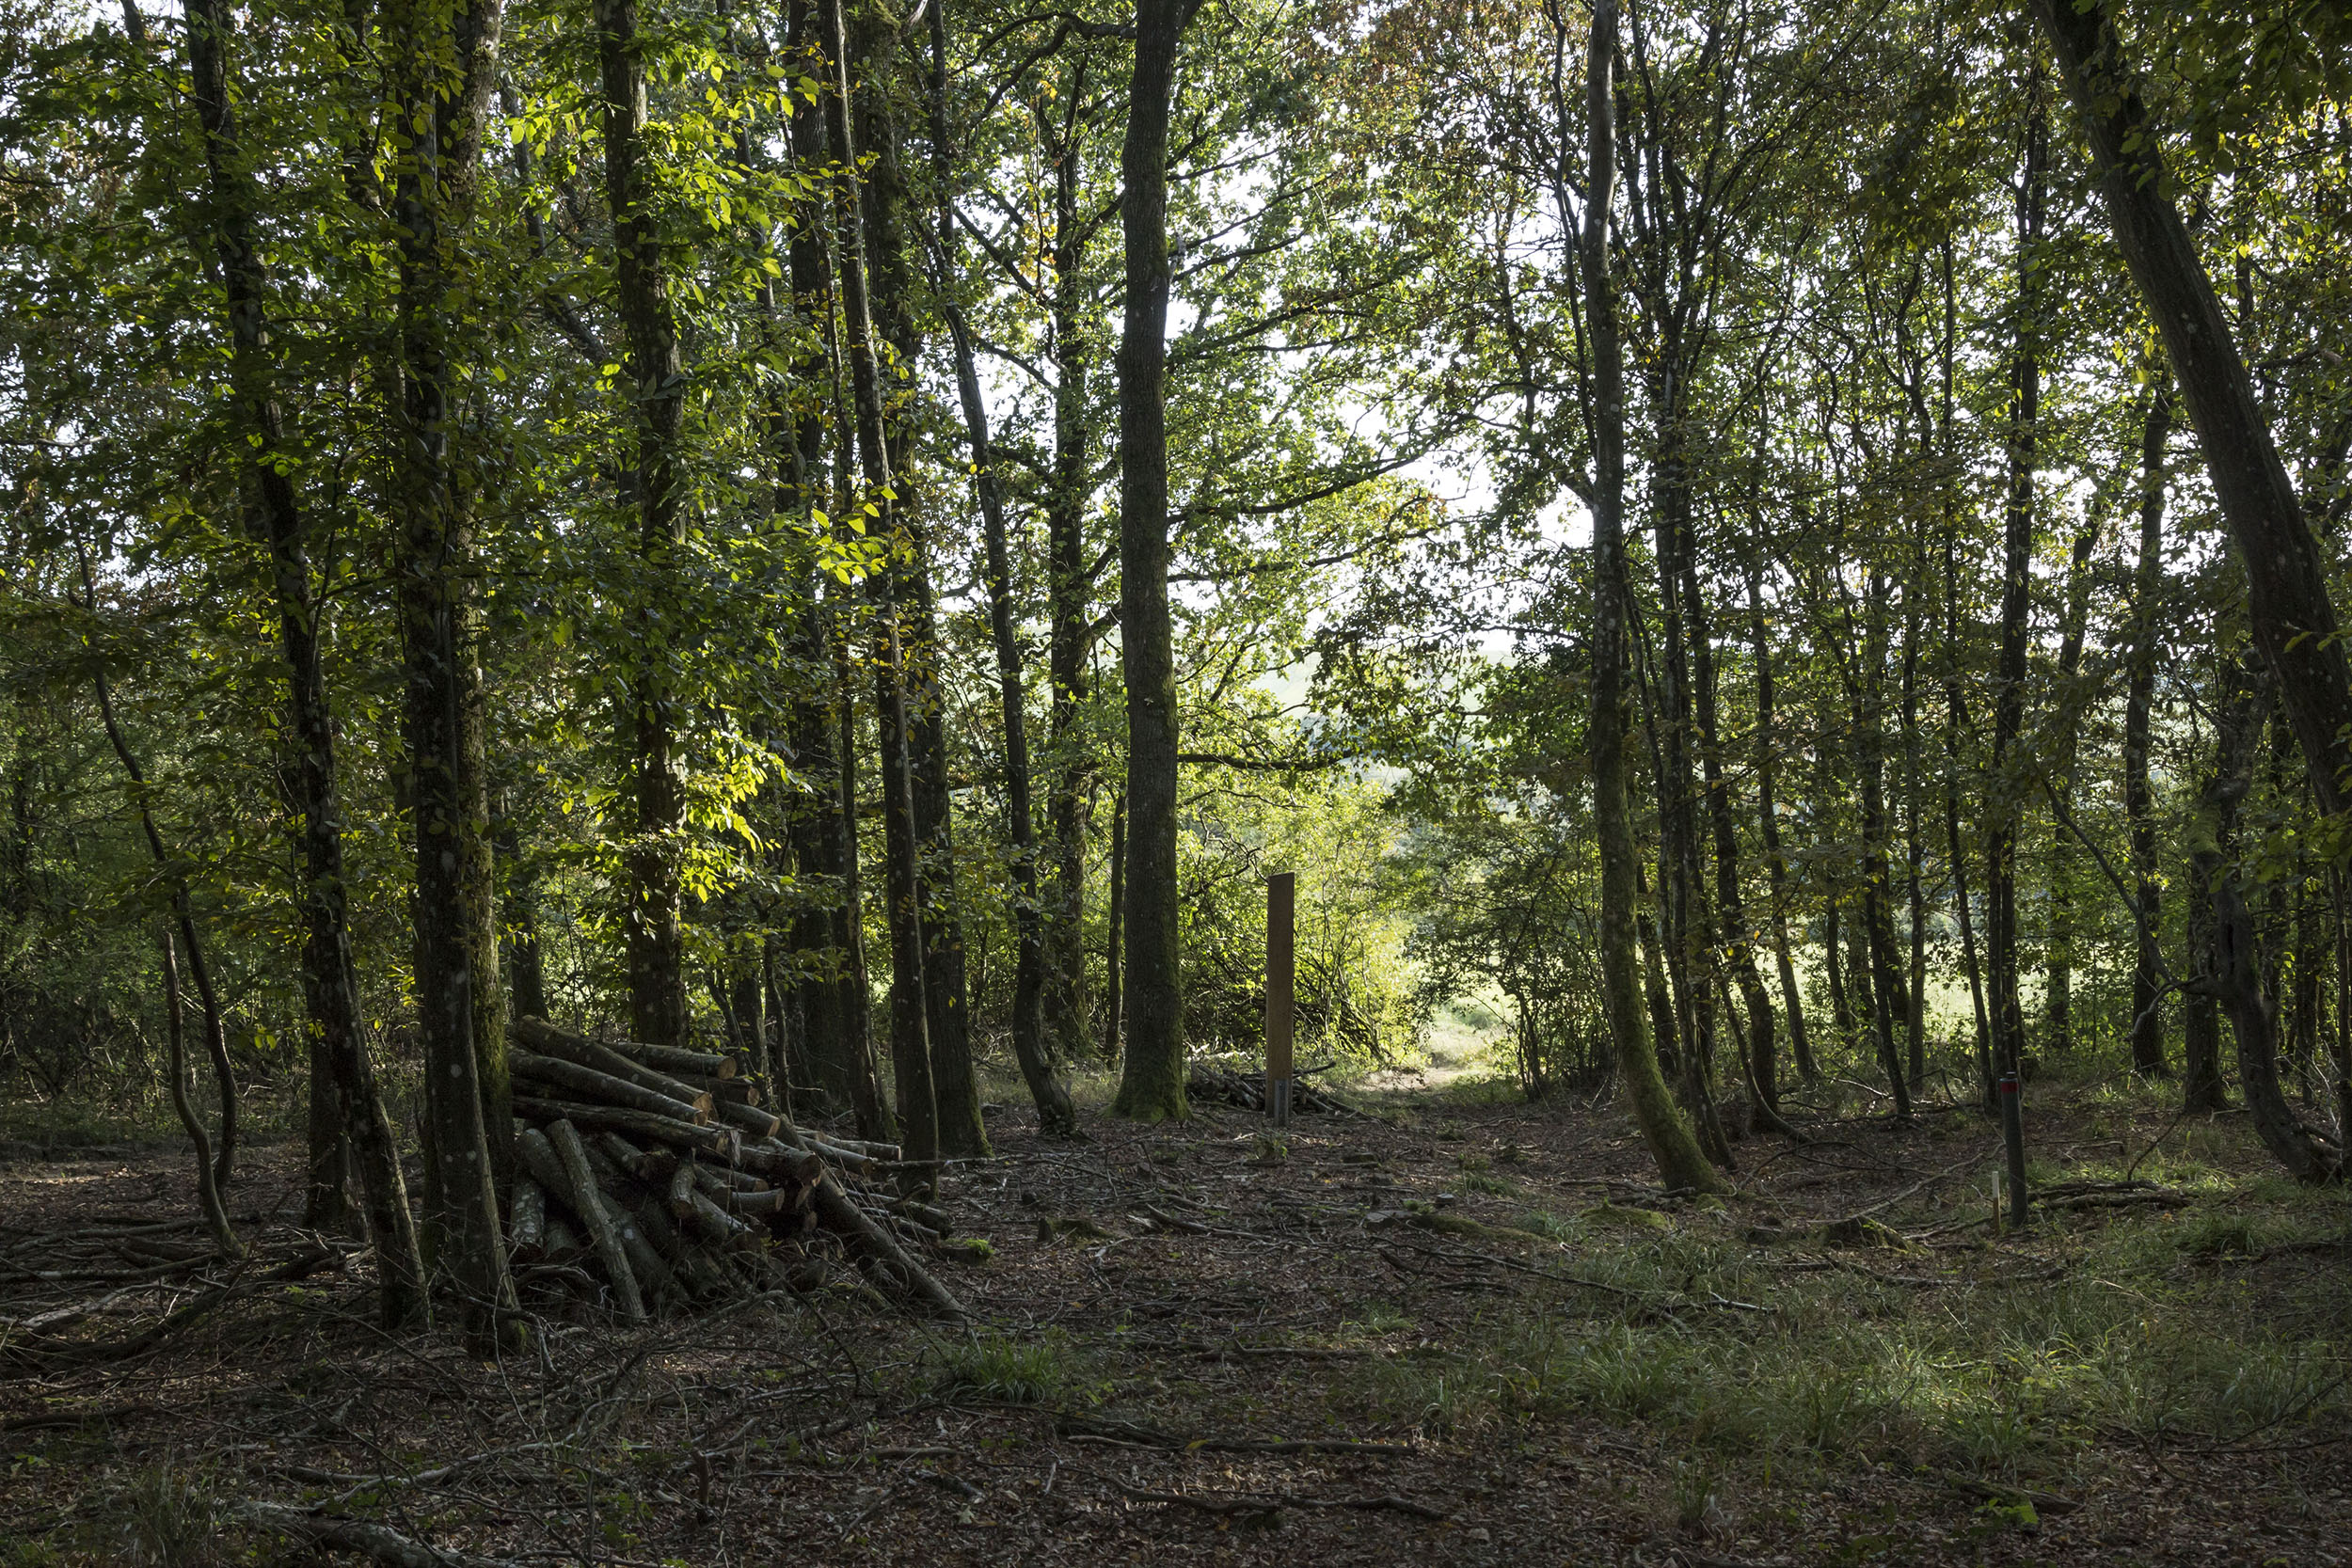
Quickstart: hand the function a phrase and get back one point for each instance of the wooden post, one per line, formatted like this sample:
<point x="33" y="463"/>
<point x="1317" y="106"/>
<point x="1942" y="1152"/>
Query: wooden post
<point x="1281" y="899"/>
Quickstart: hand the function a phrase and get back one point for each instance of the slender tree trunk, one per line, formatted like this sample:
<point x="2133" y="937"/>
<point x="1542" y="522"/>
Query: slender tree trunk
<point x="176" y="1062"/>
<point x="1763" y="1073"/>
<point x="1680" y="1162"/>
<point x="1915" y="976"/>
<point x="885" y="205"/>
<point x="1688" y="923"/>
<point x="909" y="1038"/>
<point x="2138" y="705"/>
<point x="1152" y="1079"/>
<point x="1113" y="1020"/>
<point x="1841" y="1013"/>
<point x="215" y="1036"/>
<point x="1767" y="827"/>
<point x="1877" y="920"/>
<point x="657" y="370"/>
<point x="2236" y="957"/>
<point x="363" y="1131"/>
<point x="519" y="954"/>
<point x="2009" y="710"/>
<point x="2059" y="986"/>
<point x="1068" y="583"/>
<point x="1057" y="1115"/>
<point x="2292" y="621"/>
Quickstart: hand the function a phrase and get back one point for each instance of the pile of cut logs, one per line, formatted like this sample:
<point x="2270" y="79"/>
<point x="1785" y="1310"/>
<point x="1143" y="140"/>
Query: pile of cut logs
<point x="652" y="1177"/>
<point x="1212" y="1086"/>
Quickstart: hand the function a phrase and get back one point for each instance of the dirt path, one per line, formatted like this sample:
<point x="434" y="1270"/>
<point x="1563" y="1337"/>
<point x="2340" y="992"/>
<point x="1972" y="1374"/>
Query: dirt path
<point x="1460" y="1335"/>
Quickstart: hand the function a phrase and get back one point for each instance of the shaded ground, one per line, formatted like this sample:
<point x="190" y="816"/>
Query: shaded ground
<point x="1480" y="1334"/>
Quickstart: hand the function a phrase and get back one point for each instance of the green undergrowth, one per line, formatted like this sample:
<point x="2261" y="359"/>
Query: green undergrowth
<point x="1048" y="1369"/>
<point x="2216" y="1324"/>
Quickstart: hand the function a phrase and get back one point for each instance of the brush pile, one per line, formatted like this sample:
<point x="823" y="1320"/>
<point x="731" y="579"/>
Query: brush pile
<point x="654" y="1180"/>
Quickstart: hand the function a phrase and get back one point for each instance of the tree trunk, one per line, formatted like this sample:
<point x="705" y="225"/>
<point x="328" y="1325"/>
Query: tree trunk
<point x="1739" y="939"/>
<point x="885" y="205"/>
<point x="2138" y="704"/>
<point x="1877" y="920"/>
<point x="834" y="1041"/>
<point x="2237" y="965"/>
<point x="2292" y="621"/>
<point x="1152" y="1077"/>
<point x="1056" y="1116"/>
<point x="1915" y="975"/>
<point x="1768" y="824"/>
<point x="1113" y="1020"/>
<point x="2009" y="709"/>
<point x="176" y="1062"/>
<point x="657" y="370"/>
<point x="2059" y="986"/>
<point x="1680" y="1163"/>
<point x="910" y="1036"/>
<point x="1069" y="637"/>
<point x="460" y="1005"/>
<point x="363" y="1129"/>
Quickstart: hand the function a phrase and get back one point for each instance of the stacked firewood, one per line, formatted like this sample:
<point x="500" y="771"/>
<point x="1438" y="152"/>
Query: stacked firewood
<point x="1211" y="1085"/>
<point x="655" y="1179"/>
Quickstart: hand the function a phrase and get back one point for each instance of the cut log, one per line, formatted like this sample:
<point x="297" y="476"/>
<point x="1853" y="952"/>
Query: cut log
<point x="879" y="1250"/>
<point x="681" y="1190"/>
<point x="563" y="1242"/>
<point x="651" y="1167"/>
<point x="588" y="1203"/>
<point x="781" y="1163"/>
<point x="670" y="1058"/>
<point x="527" y="1218"/>
<point x="759" y="1123"/>
<point x="768" y="1205"/>
<point x="744" y="1091"/>
<point x="550" y="1041"/>
<point x="604" y="1088"/>
<point x="720" y="1143"/>
<point x="704" y="1278"/>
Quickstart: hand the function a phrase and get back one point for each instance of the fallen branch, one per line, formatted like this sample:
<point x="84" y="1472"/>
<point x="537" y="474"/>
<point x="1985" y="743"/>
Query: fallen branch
<point x="377" y="1541"/>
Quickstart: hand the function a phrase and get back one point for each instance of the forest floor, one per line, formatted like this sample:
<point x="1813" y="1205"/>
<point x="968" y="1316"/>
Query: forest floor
<point x="1457" y="1330"/>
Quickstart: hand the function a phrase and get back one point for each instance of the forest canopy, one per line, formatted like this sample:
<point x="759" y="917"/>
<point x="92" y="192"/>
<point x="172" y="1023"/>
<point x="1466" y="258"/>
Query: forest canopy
<point x="1744" y="544"/>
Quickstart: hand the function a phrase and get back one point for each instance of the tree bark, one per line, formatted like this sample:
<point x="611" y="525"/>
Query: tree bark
<point x="2009" y="709"/>
<point x="1069" y="595"/>
<point x="1057" y="1115"/>
<point x="1680" y="1162"/>
<point x="910" y="1036"/>
<point x="1738" y="939"/>
<point x="2236" y="956"/>
<point x="655" y="371"/>
<point x="2146" y="1033"/>
<point x="448" y="65"/>
<point x="2292" y="620"/>
<point x="1151" y="1076"/>
<point x="1767" y="827"/>
<point x="1877" y="920"/>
